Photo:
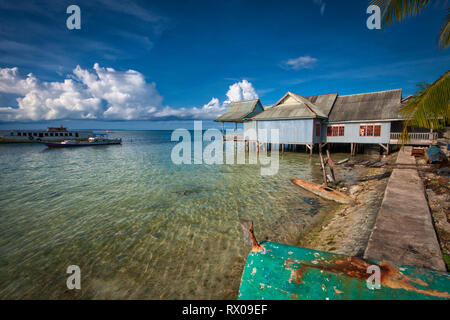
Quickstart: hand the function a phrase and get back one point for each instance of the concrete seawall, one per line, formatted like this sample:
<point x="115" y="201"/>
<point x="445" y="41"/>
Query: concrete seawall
<point x="404" y="232"/>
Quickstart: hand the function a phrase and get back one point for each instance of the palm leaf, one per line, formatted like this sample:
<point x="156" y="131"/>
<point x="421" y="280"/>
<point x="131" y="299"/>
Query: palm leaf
<point x="397" y="10"/>
<point x="430" y="108"/>
<point x="444" y="35"/>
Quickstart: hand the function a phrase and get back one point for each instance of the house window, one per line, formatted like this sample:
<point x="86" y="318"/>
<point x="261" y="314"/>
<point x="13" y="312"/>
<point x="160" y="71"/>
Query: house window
<point x="76" y="134"/>
<point x="362" y="131"/>
<point x="70" y="134"/>
<point x="377" y="130"/>
<point x="317" y="129"/>
<point x="35" y="134"/>
<point x="370" y="130"/>
<point x="40" y="134"/>
<point x="336" y="131"/>
<point x="19" y="134"/>
<point x="12" y="133"/>
<point x="51" y="134"/>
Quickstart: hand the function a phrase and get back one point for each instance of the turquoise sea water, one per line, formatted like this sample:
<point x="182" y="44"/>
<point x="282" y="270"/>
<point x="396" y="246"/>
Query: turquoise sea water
<point x="137" y="225"/>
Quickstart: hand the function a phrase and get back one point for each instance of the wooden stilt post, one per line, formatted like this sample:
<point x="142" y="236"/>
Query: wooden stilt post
<point x="324" y="174"/>
<point x="331" y="164"/>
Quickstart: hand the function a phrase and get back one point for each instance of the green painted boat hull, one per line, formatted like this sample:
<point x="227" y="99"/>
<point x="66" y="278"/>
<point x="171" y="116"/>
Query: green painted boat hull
<point x="282" y="272"/>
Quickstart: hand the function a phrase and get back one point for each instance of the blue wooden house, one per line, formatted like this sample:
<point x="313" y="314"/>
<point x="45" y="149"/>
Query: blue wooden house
<point x="358" y="119"/>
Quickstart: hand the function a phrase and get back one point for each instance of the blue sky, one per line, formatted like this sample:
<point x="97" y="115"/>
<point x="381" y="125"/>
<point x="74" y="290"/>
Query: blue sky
<point x="186" y="53"/>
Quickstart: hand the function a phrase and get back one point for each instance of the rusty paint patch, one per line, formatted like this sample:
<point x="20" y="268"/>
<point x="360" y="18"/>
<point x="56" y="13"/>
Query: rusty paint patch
<point x="357" y="268"/>
<point x="337" y="290"/>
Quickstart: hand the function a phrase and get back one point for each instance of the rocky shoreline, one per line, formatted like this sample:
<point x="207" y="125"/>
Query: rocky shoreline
<point x="437" y="188"/>
<point x="347" y="229"/>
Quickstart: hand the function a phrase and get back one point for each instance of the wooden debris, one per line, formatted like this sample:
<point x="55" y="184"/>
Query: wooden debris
<point x="323" y="191"/>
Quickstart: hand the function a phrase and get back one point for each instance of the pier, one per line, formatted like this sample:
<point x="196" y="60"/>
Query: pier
<point x="404" y="232"/>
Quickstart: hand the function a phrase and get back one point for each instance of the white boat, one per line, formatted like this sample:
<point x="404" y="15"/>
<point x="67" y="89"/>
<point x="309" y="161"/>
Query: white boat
<point x="92" y="141"/>
<point x="53" y="134"/>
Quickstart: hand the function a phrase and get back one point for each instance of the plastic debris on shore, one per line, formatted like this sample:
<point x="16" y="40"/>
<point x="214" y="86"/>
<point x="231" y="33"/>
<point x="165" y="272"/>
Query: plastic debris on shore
<point x="435" y="155"/>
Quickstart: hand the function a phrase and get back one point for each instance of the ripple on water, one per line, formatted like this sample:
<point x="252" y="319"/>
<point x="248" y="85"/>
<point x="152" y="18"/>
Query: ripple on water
<point x="136" y="224"/>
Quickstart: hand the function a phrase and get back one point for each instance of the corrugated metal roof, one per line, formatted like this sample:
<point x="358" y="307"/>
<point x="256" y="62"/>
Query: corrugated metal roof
<point x="303" y="108"/>
<point x="324" y="102"/>
<point x="238" y="111"/>
<point x="367" y="106"/>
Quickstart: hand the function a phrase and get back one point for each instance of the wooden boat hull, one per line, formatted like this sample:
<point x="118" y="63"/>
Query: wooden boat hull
<point x="323" y="191"/>
<point x="281" y="272"/>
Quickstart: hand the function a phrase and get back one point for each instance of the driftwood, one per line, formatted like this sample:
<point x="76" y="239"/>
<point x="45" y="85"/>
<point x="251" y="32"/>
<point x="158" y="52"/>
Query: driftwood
<point x="324" y="172"/>
<point x="331" y="164"/>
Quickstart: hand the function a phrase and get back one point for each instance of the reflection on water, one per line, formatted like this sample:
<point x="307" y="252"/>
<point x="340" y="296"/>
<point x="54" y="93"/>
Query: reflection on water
<point x="136" y="224"/>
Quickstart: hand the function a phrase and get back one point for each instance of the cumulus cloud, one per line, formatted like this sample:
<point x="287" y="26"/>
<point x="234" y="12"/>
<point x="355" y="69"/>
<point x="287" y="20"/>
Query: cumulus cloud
<point x="304" y="62"/>
<point x="102" y="93"/>
<point x="242" y="90"/>
<point x="238" y="91"/>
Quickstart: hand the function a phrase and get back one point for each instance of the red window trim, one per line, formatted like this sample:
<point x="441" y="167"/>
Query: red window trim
<point x="336" y="131"/>
<point x="370" y="130"/>
<point x="377" y="130"/>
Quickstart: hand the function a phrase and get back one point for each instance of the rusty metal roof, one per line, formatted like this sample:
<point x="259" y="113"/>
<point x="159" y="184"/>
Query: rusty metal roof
<point x="382" y="105"/>
<point x="238" y="111"/>
<point x="302" y="108"/>
<point x="324" y="101"/>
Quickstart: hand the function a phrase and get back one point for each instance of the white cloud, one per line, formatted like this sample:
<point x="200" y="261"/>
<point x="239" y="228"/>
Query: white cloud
<point x="102" y="93"/>
<point x="322" y="5"/>
<point x="242" y="90"/>
<point x="305" y="62"/>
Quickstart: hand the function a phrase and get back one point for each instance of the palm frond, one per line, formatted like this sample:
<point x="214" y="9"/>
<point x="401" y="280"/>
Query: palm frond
<point x="444" y="35"/>
<point x="430" y="108"/>
<point x="397" y="10"/>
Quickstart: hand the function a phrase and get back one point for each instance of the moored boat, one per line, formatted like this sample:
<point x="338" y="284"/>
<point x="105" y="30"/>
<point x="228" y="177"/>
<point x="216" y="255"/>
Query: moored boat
<point x="53" y="134"/>
<point x="92" y="141"/>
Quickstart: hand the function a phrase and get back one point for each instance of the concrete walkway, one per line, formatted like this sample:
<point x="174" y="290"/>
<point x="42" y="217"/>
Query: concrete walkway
<point x="404" y="232"/>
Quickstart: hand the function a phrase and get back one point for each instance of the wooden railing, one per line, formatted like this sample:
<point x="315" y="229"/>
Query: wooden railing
<point x="416" y="136"/>
<point x="233" y="137"/>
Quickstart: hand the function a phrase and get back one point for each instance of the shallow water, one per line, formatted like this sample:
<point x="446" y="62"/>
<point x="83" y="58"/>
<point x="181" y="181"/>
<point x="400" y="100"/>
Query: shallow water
<point x="138" y="225"/>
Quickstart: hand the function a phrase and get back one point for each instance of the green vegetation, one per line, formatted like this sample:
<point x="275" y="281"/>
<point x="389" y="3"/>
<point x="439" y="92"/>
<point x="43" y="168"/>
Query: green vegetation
<point x="429" y="108"/>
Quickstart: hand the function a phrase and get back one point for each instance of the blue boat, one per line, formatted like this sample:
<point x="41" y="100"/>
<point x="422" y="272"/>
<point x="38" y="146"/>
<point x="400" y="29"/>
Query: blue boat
<point x="275" y="271"/>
